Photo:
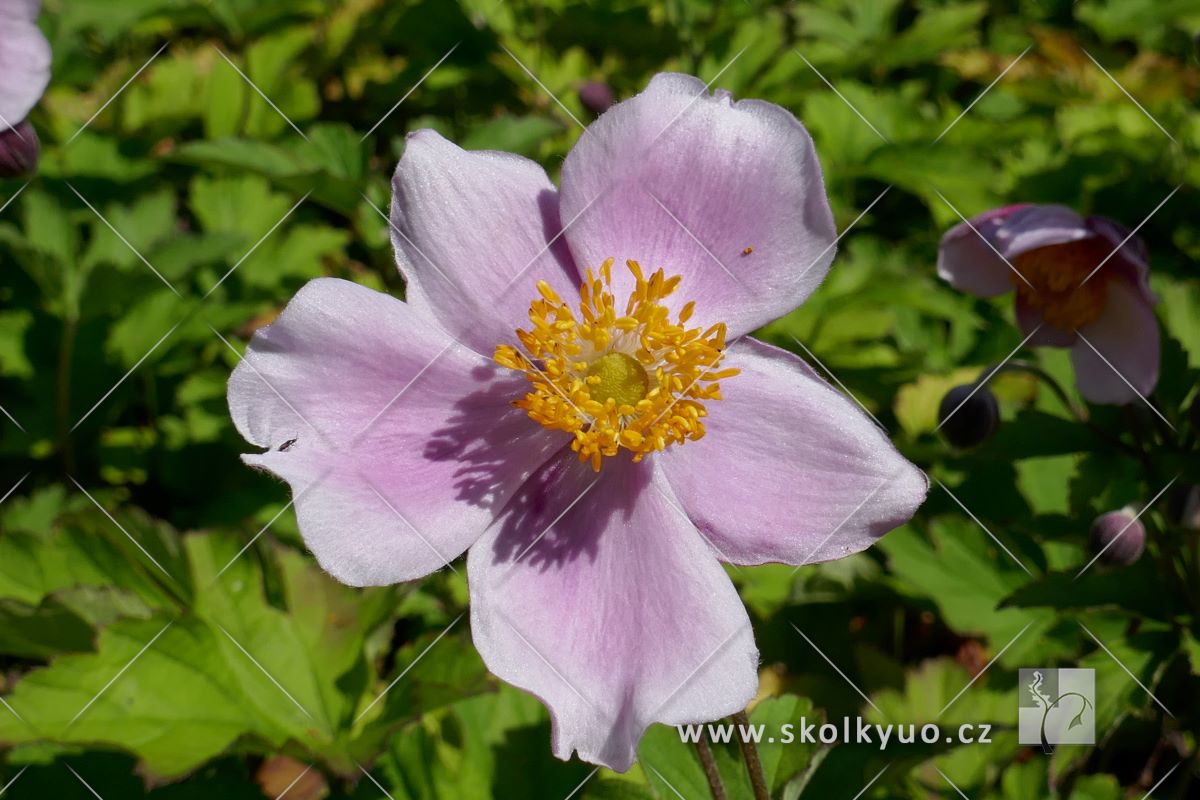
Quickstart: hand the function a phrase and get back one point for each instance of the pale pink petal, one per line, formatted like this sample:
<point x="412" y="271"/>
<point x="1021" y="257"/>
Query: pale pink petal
<point x="728" y="195"/>
<point x="1120" y="358"/>
<point x="472" y="232"/>
<point x="609" y="607"/>
<point x="1030" y="319"/>
<point x="400" y="445"/>
<point x="790" y="470"/>
<point x="969" y="259"/>
<point x="1031" y="227"/>
<point x="24" y="60"/>
<point x="1131" y="260"/>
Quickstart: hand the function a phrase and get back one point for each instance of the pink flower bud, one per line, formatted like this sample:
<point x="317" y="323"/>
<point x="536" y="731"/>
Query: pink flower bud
<point x="1118" y="538"/>
<point x="596" y="97"/>
<point x="19" y="150"/>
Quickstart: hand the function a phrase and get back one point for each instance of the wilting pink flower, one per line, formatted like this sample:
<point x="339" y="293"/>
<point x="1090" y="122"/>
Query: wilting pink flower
<point x="1074" y="287"/>
<point x="24" y="75"/>
<point x="600" y="463"/>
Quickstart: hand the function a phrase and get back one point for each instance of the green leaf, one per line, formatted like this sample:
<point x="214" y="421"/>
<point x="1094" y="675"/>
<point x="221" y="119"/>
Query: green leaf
<point x="936" y="30"/>
<point x="935" y="685"/>
<point x="1138" y="588"/>
<point x="494" y="745"/>
<point x="511" y="134"/>
<point x="234" y="666"/>
<point x="967" y="575"/>
<point x="244" y="205"/>
<point x="917" y="403"/>
<point x="437" y="671"/>
<point x="87" y="549"/>
<point x="1097" y="787"/>
<point x="1033" y="433"/>
<point x="13" y="360"/>
<point x="782" y="762"/>
<point x="671" y="765"/>
<point x="176" y="690"/>
<point x="41" y="631"/>
<point x="1191" y="648"/>
<point x="142" y="224"/>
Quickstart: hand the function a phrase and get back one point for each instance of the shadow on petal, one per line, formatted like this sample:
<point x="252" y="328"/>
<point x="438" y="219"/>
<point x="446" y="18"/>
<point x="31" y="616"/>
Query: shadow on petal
<point x="540" y="523"/>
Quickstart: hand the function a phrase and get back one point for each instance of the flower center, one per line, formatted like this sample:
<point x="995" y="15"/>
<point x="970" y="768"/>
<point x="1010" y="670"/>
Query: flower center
<point x="634" y="380"/>
<point x="1056" y="275"/>
<point x="617" y="376"/>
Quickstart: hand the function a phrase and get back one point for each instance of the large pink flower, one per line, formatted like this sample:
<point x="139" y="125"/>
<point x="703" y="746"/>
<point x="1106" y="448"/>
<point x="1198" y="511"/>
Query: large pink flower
<point x="1081" y="283"/>
<point x="24" y="75"/>
<point x="600" y="463"/>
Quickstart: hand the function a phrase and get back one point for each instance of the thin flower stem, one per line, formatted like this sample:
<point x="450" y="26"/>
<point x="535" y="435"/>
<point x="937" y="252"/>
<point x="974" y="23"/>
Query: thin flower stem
<point x="1078" y="412"/>
<point x="1020" y="365"/>
<point x="754" y="767"/>
<point x="710" y="769"/>
<point x="66" y="351"/>
<point x="1188" y="775"/>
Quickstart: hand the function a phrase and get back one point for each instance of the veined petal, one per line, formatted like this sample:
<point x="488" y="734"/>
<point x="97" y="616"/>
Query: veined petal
<point x="610" y="608"/>
<point x="790" y="470"/>
<point x="399" y="444"/>
<point x="728" y="195"/>
<point x="1120" y="358"/>
<point x="24" y="60"/>
<point x="1131" y="259"/>
<point x="472" y="232"/>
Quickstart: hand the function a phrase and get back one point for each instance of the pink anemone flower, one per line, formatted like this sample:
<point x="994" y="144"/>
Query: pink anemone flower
<point x="603" y="448"/>
<point x="1081" y="283"/>
<point x="24" y="75"/>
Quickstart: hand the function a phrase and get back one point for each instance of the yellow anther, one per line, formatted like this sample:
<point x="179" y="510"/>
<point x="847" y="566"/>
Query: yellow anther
<point x="635" y="380"/>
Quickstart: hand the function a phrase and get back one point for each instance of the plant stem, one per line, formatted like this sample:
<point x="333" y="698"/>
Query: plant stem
<point x="1029" y="368"/>
<point x="710" y="769"/>
<point x="754" y="767"/>
<point x="1186" y="779"/>
<point x="66" y="353"/>
<point x="1076" y="411"/>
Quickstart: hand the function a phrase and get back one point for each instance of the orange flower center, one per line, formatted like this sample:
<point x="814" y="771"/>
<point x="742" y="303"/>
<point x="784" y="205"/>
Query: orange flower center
<point x="1056" y="276"/>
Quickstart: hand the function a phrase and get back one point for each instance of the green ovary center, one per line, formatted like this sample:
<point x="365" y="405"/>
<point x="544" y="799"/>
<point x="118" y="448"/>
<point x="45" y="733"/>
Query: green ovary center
<point x="617" y="376"/>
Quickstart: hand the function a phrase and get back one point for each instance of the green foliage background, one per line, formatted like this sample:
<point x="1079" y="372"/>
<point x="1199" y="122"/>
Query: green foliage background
<point x="133" y="269"/>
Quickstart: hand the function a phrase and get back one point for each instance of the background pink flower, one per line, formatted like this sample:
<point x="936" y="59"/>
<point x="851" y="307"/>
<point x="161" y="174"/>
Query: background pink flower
<point x="599" y="591"/>
<point x="24" y="75"/>
<point x="1081" y="283"/>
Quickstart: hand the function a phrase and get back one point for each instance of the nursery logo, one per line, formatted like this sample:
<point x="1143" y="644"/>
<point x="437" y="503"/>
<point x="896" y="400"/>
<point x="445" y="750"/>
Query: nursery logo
<point x="1057" y="706"/>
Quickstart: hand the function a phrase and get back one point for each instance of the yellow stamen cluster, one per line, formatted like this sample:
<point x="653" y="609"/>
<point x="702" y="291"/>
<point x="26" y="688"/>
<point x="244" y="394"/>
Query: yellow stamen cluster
<point x="1057" y="273"/>
<point x="633" y="380"/>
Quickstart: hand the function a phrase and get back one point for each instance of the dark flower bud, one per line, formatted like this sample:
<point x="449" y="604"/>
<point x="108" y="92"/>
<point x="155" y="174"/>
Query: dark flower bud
<point x="19" y="150"/>
<point x="968" y="416"/>
<point x="1118" y="538"/>
<point x="596" y="97"/>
